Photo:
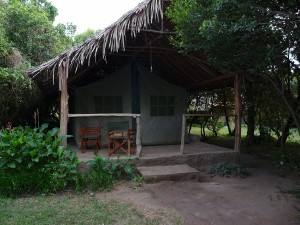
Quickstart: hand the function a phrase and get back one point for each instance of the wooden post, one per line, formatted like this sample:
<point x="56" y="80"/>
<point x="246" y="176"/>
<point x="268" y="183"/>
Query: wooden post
<point x="237" y="112"/>
<point x="64" y="98"/>
<point x="183" y="131"/>
<point x="138" y="136"/>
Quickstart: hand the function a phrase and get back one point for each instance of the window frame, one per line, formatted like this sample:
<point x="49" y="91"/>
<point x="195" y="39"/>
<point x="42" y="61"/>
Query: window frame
<point x="162" y="105"/>
<point x="108" y="104"/>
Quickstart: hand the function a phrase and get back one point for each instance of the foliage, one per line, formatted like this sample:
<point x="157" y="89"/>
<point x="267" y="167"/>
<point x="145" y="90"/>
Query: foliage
<point x="28" y="27"/>
<point x="228" y="170"/>
<point x="210" y="102"/>
<point x="214" y="125"/>
<point x="238" y="34"/>
<point x="100" y="174"/>
<point x="19" y="97"/>
<point x="64" y="34"/>
<point x="27" y="37"/>
<point x="32" y="160"/>
<point x="286" y="159"/>
<point x="124" y="168"/>
<point x="295" y="192"/>
<point x="248" y="37"/>
<point x="138" y="182"/>
<point x="80" y="38"/>
<point x="104" y="171"/>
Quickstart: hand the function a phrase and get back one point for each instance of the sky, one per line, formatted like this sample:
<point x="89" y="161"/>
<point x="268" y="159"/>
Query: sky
<point x="93" y="14"/>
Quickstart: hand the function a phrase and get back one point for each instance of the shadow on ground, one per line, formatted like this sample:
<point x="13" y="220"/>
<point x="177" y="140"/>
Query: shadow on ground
<point x="221" y="201"/>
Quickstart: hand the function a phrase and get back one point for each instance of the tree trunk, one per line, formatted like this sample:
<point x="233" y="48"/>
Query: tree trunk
<point x="226" y="115"/>
<point x="191" y="123"/>
<point x="237" y="113"/>
<point x="285" y="133"/>
<point x="251" y="112"/>
<point x="292" y="104"/>
<point x="64" y="101"/>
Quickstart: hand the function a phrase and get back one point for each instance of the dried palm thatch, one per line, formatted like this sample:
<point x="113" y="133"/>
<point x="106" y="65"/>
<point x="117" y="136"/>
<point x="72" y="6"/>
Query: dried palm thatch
<point x="111" y="39"/>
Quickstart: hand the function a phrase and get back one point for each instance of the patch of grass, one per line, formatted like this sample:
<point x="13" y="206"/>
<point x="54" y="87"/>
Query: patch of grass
<point x="226" y="169"/>
<point x="74" y="209"/>
<point x="137" y="182"/>
<point x="295" y="192"/>
<point x="222" y="132"/>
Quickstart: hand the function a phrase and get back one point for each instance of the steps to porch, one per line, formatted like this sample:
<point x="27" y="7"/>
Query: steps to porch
<point x="182" y="172"/>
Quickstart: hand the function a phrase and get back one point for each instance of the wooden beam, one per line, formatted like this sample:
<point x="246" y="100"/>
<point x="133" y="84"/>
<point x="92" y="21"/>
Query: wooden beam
<point x="207" y="115"/>
<point x="158" y="31"/>
<point x="105" y="115"/>
<point x="183" y="131"/>
<point x="237" y="112"/>
<point x="212" y="80"/>
<point x="138" y="137"/>
<point x="64" y="100"/>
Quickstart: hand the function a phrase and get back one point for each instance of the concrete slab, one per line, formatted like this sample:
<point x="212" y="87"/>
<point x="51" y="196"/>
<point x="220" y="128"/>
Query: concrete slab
<point x="169" y="173"/>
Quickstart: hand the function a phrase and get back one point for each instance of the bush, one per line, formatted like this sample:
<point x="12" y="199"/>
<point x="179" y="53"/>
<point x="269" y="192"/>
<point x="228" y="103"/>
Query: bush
<point x="19" y="97"/>
<point x="100" y="176"/>
<point x="286" y="159"/>
<point x="104" y="172"/>
<point x="295" y="192"/>
<point x="32" y="161"/>
<point x="228" y="170"/>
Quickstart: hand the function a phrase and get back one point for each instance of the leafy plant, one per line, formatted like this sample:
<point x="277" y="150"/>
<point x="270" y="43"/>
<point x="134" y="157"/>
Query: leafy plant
<point x="138" y="182"/>
<point x="228" y="170"/>
<point x="101" y="176"/>
<point x="125" y="168"/>
<point x="32" y="160"/>
<point x="105" y="171"/>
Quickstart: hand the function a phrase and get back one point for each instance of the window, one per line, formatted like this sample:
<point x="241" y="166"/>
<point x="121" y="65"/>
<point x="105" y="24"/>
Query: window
<point x="108" y="104"/>
<point x="162" y="105"/>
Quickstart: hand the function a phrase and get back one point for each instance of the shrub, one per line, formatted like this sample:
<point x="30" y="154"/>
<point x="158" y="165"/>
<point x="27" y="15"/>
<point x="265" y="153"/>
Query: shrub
<point x="32" y="160"/>
<point x="228" y="170"/>
<point x="295" y="192"/>
<point x="124" y="169"/>
<point x="100" y="176"/>
<point x="104" y="172"/>
<point x="286" y="159"/>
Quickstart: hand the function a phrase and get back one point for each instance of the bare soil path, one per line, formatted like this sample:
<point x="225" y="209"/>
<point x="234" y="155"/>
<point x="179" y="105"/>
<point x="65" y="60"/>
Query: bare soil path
<point x="221" y="201"/>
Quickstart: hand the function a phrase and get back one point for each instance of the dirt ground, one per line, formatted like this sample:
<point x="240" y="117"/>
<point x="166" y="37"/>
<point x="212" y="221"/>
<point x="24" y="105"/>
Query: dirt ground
<point x="221" y="201"/>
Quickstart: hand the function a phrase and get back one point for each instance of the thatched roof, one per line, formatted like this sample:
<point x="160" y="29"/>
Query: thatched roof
<point x="141" y="34"/>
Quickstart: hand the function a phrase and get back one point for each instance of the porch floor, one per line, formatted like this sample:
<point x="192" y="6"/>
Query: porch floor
<point x="159" y="152"/>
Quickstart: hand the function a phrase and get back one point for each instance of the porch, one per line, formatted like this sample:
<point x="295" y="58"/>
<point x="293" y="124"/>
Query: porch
<point x="198" y="155"/>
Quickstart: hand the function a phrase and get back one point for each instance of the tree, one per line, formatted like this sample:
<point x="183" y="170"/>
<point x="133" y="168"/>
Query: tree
<point x="27" y="37"/>
<point x="79" y="38"/>
<point x="247" y="37"/>
<point x="19" y="97"/>
<point x="28" y="27"/>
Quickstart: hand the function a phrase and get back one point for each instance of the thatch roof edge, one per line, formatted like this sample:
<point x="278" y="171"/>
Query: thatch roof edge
<point x="110" y="39"/>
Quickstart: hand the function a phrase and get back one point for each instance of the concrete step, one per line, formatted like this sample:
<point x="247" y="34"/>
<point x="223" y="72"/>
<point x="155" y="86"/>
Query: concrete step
<point x="169" y="173"/>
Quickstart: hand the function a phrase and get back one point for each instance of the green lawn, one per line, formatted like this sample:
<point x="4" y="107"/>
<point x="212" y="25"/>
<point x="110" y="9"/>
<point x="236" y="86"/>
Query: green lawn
<point x="223" y="132"/>
<point x="75" y="209"/>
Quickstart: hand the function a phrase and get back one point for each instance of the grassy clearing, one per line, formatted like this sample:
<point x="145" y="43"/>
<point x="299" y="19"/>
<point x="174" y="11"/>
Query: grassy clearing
<point x="287" y="160"/>
<point x="75" y="209"/>
<point x="294" y="137"/>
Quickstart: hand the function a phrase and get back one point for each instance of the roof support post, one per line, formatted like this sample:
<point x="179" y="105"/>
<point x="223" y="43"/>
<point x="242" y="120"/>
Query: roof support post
<point x="237" y="112"/>
<point x="64" y="100"/>
<point x="183" y="132"/>
<point x="138" y="136"/>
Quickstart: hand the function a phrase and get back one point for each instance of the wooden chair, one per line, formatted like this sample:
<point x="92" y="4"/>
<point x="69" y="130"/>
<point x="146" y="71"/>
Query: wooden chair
<point x="120" y="138"/>
<point x="90" y="136"/>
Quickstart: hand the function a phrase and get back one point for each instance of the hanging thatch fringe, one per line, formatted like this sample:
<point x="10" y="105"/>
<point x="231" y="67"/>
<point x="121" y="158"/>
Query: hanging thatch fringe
<point x="113" y="38"/>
